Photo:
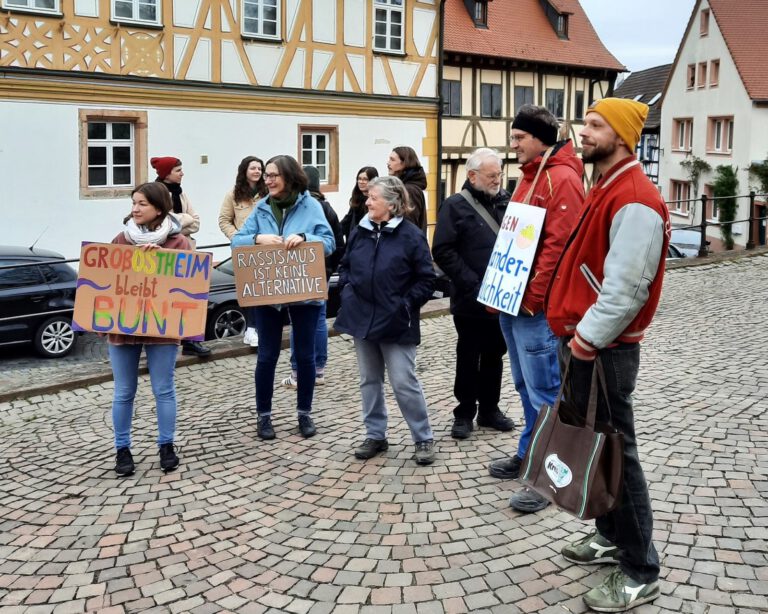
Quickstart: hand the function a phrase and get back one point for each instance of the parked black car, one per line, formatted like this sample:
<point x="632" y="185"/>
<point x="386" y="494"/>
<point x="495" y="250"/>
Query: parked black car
<point x="37" y="300"/>
<point x="226" y="318"/>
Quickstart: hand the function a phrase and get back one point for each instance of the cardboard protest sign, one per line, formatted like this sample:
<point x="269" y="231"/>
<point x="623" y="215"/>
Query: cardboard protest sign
<point x="512" y="258"/>
<point x="273" y="275"/>
<point x="124" y="290"/>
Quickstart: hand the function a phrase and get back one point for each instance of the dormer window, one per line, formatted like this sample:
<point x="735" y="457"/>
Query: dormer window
<point x="562" y="26"/>
<point x="481" y="14"/>
<point x="558" y="20"/>
<point x="478" y="11"/>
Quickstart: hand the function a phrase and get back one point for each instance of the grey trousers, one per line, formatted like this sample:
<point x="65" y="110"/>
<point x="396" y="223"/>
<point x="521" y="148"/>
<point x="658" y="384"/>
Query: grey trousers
<point x="400" y="363"/>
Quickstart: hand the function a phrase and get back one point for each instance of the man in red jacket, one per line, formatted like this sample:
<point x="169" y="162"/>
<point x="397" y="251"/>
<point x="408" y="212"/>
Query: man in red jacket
<point x="552" y="179"/>
<point x="601" y="299"/>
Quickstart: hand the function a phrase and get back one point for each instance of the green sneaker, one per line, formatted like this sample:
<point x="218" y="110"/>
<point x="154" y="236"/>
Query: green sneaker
<point x="619" y="593"/>
<point x="591" y="550"/>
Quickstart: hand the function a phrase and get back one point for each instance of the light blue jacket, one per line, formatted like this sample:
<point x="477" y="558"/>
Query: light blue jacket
<point x="306" y="217"/>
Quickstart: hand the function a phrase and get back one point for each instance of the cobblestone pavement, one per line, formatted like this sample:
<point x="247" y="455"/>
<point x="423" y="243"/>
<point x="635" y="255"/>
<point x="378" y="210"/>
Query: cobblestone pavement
<point x="300" y="526"/>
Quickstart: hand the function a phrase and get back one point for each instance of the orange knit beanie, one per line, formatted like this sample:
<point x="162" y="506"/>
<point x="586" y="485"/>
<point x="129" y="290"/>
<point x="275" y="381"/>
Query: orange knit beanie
<point x="625" y="116"/>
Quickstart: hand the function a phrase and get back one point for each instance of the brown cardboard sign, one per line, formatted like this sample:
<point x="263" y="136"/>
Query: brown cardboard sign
<point x="273" y="275"/>
<point x="124" y="290"/>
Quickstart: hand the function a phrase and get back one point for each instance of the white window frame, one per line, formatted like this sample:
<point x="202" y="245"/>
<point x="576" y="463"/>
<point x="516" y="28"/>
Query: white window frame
<point x="720" y="139"/>
<point x="110" y="144"/>
<point x="681" y="196"/>
<point x="329" y="170"/>
<point x="388" y="8"/>
<point x="139" y="158"/>
<point x="683" y="134"/>
<point x="259" y="33"/>
<point x="135" y="11"/>
<point x="29" y="7"/>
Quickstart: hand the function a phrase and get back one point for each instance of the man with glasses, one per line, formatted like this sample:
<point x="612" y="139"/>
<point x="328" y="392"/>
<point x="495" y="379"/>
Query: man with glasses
<point x="467" y="225"/>
<point x="551" y="178"/>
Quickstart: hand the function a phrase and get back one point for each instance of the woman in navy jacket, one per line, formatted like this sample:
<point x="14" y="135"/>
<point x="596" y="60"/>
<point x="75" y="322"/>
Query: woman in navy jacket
<point x="386" y="275"/>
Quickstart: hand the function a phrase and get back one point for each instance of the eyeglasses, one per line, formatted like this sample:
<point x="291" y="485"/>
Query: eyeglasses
<point x="491" y="176"/>
<point x="518" y="137"/>
<point x="271" y="176"/>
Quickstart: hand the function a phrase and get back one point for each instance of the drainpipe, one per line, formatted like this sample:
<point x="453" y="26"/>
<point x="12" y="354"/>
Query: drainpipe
<point x="440" y="42"/>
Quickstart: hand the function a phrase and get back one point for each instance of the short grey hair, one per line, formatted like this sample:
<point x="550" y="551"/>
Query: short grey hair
<point x="479" y="156"/>
<point x="393" y="192"/>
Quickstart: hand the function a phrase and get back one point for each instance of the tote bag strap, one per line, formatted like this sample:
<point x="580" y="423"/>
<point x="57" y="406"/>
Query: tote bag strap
<point x="480" y="210"/>
<point x="545" y="157"/>
<point x="598" y="378"/>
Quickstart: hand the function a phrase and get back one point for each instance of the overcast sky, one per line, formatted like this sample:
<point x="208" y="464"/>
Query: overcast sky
<point x="640" y="34"/>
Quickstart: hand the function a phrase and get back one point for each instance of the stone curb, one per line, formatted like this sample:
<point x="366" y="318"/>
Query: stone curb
<point x="225" y="348"/>
<point x="234" y="347"/>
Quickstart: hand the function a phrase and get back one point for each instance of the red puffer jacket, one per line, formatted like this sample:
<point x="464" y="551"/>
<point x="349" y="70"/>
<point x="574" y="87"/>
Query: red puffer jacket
<point x="560" y="191"/>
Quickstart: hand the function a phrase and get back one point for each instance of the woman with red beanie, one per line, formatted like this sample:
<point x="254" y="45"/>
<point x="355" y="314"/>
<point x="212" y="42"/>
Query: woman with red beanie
<point x="169" y="172"/>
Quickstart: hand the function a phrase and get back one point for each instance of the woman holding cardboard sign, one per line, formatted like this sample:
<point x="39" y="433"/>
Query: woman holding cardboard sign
<point x="386" y="275"/>
<point x="287" y="217"/>
<point x="149" y="226"/>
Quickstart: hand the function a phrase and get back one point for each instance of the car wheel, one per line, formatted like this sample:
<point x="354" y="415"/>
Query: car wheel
<point x="227" y="321"/>
<point x="55" y="337"/>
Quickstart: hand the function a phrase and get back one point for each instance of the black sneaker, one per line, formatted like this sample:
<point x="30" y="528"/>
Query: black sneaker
<point x="306" y="426"/>
<point x="461" y="428"/>
<point x="124" y="462"/>
<point x="506" y="468"/>
<point x="370" y="448"/>
<point x="195" y="348"/>
<point x="494" y="419"/>
<point x="264" y="427"/>
<point x="425" y="452"/>
<point x="168" y="458"/>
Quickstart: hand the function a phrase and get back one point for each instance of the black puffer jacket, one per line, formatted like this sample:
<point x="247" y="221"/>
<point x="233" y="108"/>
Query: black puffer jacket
<point x="463" y="244"/>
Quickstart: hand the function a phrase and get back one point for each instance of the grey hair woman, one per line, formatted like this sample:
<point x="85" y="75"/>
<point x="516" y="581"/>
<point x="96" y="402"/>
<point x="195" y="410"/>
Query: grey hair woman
<point x="386" y="275"/>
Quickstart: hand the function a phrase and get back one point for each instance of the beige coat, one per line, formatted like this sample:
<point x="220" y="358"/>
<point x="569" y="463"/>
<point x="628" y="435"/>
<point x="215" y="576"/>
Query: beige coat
<point x="233" y="214"/>
<point x="188" y="218"/>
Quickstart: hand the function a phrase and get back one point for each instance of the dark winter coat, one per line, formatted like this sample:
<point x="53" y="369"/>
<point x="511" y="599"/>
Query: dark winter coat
<point x="357" y="211"/>
<point x="462" y="246"/>
<point x="415" y="182"/>
<point x="385" y="278"/>
<point x="332" y="261"/>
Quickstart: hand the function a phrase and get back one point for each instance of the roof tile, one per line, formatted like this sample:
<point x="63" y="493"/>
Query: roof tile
<point x="744" y="26"/>
<point x="519" y="29"/>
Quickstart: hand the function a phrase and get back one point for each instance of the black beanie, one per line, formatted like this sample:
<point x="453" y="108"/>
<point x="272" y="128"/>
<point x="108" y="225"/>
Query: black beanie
<point x="534" y="126"/>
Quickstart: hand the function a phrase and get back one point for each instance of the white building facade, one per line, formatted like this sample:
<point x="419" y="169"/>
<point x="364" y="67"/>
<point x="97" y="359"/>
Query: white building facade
<point x="713" y="108"/>
<point x="90" y="90"/>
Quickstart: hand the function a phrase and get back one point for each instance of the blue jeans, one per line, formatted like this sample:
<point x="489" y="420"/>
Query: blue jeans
<point x="321" y="342"/>
<point x="269" y="324"/>
<point x="250" y="316"/>
<point x="161" y="360"/>
<point x="630" y="525"/>
<point x="400" y="363"/>
<point x="532" y="351"/>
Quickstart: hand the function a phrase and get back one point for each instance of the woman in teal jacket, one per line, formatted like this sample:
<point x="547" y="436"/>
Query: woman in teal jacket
<point x="288" y="216"/>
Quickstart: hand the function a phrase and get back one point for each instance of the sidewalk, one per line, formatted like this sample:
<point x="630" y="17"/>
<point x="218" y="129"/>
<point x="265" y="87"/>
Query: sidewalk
<point x="300" y="526"/>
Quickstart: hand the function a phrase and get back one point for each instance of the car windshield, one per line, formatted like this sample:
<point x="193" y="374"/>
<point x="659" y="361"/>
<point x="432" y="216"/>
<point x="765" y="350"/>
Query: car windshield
<point x="225" y="266"/>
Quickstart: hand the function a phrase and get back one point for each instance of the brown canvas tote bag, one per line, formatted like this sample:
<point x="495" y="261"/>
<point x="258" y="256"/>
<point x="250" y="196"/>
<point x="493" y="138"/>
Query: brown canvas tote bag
<point x="572" y="460"/>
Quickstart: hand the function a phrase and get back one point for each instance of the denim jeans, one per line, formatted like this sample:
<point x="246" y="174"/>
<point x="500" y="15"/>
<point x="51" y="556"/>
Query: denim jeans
<point x="269" y="324"/>
<point x="250" y="316"/>
<point x="532" y="348"/>
<point x="630" y="525"/>
<point x="161" y="361"/>
<point x="480" y="352"/>
<point x="321" y="342"/>
<point x="400" y="363"/>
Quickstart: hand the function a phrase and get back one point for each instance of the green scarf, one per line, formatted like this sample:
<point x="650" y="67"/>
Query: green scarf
<point x="279" y="206"/>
